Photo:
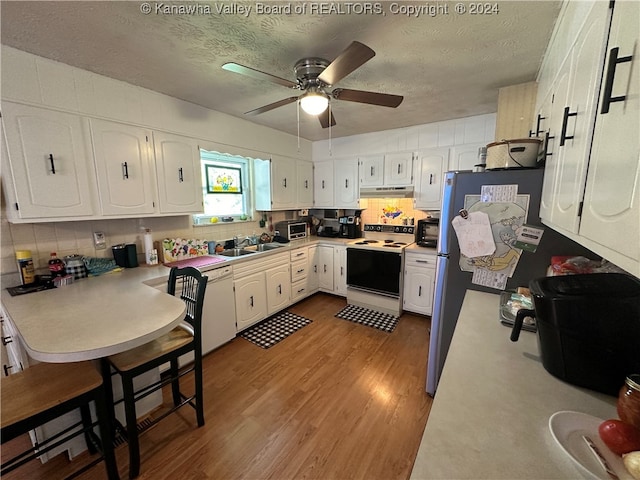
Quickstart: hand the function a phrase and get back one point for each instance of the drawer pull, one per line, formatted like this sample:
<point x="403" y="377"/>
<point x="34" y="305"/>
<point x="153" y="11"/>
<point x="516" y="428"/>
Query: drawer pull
<point x="300" y="271"/>
<point x="422" y="261"/>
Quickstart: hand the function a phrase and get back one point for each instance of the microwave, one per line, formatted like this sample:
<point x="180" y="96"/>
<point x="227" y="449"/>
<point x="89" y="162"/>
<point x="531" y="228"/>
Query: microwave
<point x="292" y="230"/>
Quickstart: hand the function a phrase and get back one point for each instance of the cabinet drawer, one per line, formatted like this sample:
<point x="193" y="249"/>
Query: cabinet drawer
<point x="299" y="290"/>
<point x="299" y="270"/>
<point x="420" y="260"/>
<point x="299" y="254"/>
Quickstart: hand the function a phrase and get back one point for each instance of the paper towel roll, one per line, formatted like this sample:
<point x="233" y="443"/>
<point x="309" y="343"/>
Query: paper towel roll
<point x="148" y="246"/>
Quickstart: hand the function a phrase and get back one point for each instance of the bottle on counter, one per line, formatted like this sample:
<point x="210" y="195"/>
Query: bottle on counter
<point x="56" y="266"/>
<point x="25" y="267"/>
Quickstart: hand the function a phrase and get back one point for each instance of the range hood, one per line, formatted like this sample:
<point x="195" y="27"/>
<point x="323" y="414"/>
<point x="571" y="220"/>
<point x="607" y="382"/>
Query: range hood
<point x="394" y="192"/>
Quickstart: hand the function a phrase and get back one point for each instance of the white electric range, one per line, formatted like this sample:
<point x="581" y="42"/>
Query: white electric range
<point x="374" y="267"/>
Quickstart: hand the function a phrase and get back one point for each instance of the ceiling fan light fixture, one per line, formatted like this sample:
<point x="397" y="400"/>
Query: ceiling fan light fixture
<point x="314" y="102"/>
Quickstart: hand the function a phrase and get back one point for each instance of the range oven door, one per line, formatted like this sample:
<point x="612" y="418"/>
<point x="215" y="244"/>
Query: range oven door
<point x="374" y="271"/>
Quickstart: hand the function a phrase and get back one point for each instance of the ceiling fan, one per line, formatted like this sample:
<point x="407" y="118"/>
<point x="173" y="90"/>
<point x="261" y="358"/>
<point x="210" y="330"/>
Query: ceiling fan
<point x="315" y="77"/>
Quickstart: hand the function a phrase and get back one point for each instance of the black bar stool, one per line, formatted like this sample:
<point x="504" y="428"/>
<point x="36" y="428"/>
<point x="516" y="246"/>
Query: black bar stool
<point x="46" y="391"/>
<point x="191" y="285"/>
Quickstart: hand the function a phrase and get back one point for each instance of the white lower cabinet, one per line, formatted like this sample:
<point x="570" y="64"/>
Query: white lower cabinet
<point x="251" y="299"/>
<point x="313" y="277"/>
<point x="278" y="284"/>
<point x="299" y="274"/>
<point x="340" y="270"/>
<point x="325" y="267"/>
<point x="419" y="282"/>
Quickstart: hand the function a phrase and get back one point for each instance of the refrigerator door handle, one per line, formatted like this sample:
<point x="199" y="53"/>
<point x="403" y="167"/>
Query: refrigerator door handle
<point x="433" y="364"/>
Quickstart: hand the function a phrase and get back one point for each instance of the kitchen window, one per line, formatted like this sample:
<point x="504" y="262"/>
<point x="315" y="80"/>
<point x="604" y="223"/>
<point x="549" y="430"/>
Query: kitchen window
<point x="225" y="188"/>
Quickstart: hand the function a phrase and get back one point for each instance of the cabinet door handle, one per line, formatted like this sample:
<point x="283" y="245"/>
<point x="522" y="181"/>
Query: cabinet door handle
<point x="346" y="183"/>
<point x="180" y="177"/>
<point x="315" y="269"/>
<point x="565" y="120"/>
<point x="306" y="184"/>
<point x="431" y="179"/>
<point x="251" y="301"/>
<point x="279" y="289"/>
<point x="125" y="171"/>
<point x="341" y="271"/>
<point x="284" y="182"/>
<point x="607" y="99"/>
<point x="420" y="290"/>
<point x="53" y="165"/>
<point x="540" y="118"/>
<point x="6" y="369"/>
<point x="372" y="170"/>
<point x="325" y="268"/>
<point x="323" y="184"/>
<point x="399" y="168"/>
<point x="6" y="340"/>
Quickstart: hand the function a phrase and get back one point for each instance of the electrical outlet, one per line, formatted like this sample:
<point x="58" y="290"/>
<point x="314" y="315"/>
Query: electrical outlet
<point x="99" y="240"/>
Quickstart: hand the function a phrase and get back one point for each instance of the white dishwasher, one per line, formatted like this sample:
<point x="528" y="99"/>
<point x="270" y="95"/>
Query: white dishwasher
<point x="218" y="312"/>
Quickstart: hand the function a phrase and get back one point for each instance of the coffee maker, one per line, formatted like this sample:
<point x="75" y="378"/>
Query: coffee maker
<point x="349" y="227"/>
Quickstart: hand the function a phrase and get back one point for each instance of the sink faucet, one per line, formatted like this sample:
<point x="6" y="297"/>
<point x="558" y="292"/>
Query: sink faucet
<point x="237" y="242"/>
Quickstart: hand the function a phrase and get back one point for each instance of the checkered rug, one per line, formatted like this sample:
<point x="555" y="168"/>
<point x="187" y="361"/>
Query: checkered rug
<point x="370" y="318"/>
<point x="274" y="329"/>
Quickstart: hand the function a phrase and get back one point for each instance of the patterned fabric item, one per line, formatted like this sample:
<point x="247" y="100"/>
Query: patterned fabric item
<point x="175" y="249"/>
<point x="274" y="329"/>
<point x="370" y="318"/>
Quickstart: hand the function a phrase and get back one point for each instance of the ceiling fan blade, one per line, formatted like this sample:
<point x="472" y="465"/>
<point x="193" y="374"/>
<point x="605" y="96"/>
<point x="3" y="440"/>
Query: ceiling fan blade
<point x="271" y="106"/>
<point x="373" y="98"/>
<point x="258" y="75"/>
<point x="327" y="117"/>
<point x="353" y="57"/>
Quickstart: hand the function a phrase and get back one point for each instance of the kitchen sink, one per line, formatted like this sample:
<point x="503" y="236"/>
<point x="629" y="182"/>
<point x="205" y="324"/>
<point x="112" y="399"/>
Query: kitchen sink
<point x="236" y="252"/>
<point x="263" y="247"/>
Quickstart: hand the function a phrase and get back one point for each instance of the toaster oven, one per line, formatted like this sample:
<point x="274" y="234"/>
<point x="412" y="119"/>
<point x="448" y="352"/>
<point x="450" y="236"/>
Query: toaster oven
<point x="292" y="230"/>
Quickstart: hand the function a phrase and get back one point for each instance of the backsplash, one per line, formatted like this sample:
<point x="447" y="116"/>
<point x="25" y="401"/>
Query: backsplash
<point x="393" y="210"/>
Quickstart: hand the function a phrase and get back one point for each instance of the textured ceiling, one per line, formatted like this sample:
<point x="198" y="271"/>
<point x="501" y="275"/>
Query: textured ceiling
<point x="447" y="66"/>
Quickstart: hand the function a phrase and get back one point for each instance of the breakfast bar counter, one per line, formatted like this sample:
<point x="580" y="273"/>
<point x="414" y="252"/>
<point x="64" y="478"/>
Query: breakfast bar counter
<point x="490" y="415"/>
<point x="94" y="317"/>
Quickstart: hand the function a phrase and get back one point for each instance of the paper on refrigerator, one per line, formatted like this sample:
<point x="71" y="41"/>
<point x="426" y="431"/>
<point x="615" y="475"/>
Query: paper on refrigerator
<point x="474" y="234"/>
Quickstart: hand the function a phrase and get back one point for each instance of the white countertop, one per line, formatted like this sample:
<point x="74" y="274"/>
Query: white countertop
<point x="94" y="317"/>
<point x="490" y="414"/>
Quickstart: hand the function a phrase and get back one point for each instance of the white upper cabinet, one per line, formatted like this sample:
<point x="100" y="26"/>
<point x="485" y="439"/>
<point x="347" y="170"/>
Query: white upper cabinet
<point x="278" y="185"/>
<point x="347" y="192"/>
<point x="125" y="173"/>
<point x="464" y="157"/>
<point x="611" y="214"/>
<point x="323" y="184"/>
<point x="573" y="117"/>
<point x="591" y="186"/>
<point x="372" y="171"/>
<point x="178" y="173"/>
<point x="430" y="168"/>
<point x="392" y="169"/>
<point x="304" y="184"/>
<point x="48" y="170"/>
<point x="398" y="169"/>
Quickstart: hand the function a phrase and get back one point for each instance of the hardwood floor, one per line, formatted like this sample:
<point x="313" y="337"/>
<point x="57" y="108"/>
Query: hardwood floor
<point x="336" y="400"/>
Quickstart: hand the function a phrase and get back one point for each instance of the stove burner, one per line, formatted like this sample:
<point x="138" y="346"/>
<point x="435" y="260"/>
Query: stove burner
<point x="394" y="245"/>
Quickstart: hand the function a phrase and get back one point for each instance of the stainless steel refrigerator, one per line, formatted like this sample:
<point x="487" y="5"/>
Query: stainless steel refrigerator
<point x="452" y="281"/>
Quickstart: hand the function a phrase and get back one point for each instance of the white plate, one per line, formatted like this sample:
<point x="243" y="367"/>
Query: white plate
<point x="567" y="429"/>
